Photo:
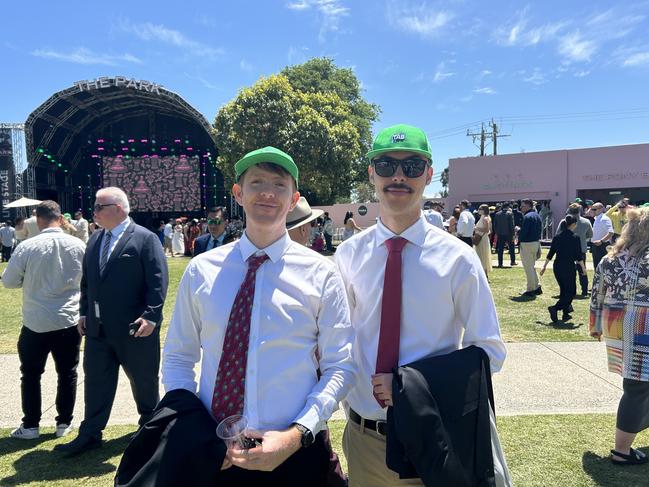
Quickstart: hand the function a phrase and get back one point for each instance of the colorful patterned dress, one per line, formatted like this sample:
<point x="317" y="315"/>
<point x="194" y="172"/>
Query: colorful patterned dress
<point x="619" y="309"/>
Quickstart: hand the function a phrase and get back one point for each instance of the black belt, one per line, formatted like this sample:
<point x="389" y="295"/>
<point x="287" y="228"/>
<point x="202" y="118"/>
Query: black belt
<point x="379" y="426"/>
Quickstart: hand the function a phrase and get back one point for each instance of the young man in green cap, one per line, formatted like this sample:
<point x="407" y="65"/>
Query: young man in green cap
<point x="259" y="309"/>
<point x="414" y="291"/>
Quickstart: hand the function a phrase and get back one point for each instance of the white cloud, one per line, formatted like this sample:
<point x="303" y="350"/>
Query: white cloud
<point x="574" y="48"/>
<point x="297" y="55"/>
<point x="422" y="19"/>
<point x="441" y="73"/>
<point x="485" y="91"/>
<point x="245" y="65"/>
<point x="157" y="32"/>
<point x="203" y="81"/>
<point x="330" y="11"/>
<point x="518" y="32"/>
<point x="581" y="74"/>
<point x="637" y="59"/>
<point x="81" y="55"/>
<point x="485" y="72"/>
<point x="536" y="78"/>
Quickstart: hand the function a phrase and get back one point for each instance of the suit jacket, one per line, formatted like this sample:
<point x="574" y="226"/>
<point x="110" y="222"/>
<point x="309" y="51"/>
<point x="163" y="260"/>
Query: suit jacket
<point x="200" y="244"/>
<point x="439" y="427"/>
<point x="178" y="446"/>
<point x="503" y="223"/>
<point x="133" y="285"/>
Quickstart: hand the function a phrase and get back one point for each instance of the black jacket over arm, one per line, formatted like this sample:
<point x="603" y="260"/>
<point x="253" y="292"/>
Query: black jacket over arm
<point x="178" y="446"/>
<point x="439" y="428"/>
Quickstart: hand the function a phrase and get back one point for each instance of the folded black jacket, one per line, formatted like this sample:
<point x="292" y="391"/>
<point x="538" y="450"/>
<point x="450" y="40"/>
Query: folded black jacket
<point x="439" y="428"/>
<point x="178" y="446"/>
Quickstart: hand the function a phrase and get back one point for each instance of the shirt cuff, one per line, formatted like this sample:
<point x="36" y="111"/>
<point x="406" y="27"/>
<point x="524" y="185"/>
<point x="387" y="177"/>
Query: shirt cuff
<point x="311" y="420"/>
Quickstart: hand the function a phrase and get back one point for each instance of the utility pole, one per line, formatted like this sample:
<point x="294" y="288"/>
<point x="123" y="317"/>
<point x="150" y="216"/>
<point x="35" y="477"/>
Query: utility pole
<point x="494" y="136"/>
<point x="482" y="136"/>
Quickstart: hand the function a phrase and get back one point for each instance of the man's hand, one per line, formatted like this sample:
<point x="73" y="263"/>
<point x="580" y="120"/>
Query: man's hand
<point x="81" y="326"/>
<point x="145" y="329"/>
<point x="596" y="334"/>
<point x="383" y="387"/>
<point x="275" y="448"/>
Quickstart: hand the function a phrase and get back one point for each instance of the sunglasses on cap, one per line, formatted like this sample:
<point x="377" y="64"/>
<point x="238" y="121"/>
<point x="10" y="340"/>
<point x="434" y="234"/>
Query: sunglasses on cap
<point x="413" y="167"/>
<point x="215" y="221"/>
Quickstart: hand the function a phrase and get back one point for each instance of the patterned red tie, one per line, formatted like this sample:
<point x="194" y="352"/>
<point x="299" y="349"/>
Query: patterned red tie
<point x="387" y="356"/>
<point x="230" y="379"/>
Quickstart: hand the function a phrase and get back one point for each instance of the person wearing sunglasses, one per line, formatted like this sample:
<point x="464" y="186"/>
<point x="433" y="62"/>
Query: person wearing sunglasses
<point x="217" y="233"/>
<point x="414" y="291"/>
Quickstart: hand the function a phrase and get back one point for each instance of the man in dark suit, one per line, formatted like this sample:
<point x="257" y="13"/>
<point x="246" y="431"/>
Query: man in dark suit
<point x="216" y="235"/>
<point x="503" y="227"/>
<point x="123" y="289"/>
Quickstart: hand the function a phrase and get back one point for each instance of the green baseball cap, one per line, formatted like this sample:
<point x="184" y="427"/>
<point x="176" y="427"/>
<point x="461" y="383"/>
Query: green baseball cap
<point x="267" y="154"/>
<point x="401" y="137"/>
<point x="67" y="215"/>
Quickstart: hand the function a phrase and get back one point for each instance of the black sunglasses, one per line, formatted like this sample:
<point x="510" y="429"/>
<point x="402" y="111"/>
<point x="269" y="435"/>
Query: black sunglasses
<point x="413" y="167"/>
<point x="98" y="206"/>
<point x="216" y="221"/>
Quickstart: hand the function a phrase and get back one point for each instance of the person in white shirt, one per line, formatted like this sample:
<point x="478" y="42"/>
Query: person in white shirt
<point x="434" y="217"/>
<point x="7" y="239"/>
<point x="28" y="229"/>
<point x="81" y="226"/>
<point x="291" y="318"/>
<point x="168" y="237"/>
<point x="466" y="224"/>
<point x="446" y="301"/>
<point x="48" y="268"/>
<point x="602" y="233"/>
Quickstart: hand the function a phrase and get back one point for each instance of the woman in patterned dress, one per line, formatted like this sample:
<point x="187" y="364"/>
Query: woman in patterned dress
<point x="619" y="310"/>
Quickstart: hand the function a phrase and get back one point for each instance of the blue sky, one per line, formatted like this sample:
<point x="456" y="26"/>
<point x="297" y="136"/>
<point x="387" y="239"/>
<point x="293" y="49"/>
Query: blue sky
<point x="554" y="74"/>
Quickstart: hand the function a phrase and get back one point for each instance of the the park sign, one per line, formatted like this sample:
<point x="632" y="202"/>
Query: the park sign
<point x="118" y="82"/>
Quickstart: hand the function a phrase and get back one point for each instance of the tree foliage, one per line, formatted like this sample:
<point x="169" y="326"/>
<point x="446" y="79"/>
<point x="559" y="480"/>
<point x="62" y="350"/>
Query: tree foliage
<point x="443" y="178"/>
<point x="315" y="113"/>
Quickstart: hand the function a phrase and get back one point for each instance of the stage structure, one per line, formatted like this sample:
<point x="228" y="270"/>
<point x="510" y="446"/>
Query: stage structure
<point x="134" y="134"/>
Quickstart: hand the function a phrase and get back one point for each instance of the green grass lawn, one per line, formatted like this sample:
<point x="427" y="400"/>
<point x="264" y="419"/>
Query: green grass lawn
<point x="521" y="319"/>
<point x="542" y="451"/>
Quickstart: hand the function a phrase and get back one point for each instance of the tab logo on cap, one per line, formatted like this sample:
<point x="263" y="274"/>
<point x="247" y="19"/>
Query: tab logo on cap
<point x="398" y="138"/>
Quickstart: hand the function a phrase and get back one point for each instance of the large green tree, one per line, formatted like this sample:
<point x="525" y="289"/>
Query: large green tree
<point x="315" y="113"/>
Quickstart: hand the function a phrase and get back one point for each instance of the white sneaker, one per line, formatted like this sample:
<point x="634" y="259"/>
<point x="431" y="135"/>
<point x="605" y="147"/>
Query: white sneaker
<point x="23" y="433"/>
<point x="63" y="430"/>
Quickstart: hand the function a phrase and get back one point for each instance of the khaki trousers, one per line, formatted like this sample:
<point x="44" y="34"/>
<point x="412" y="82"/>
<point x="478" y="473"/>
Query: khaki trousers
<point x="529" y="252"/>
<point x="365" y="454"/>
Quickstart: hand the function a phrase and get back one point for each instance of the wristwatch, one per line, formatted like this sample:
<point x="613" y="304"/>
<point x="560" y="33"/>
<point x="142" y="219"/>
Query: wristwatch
<point x="307" y="436"/>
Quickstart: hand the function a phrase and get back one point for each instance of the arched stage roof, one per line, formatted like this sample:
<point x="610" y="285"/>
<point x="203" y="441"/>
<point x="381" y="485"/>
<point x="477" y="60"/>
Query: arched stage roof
<point x="63" y="123"/>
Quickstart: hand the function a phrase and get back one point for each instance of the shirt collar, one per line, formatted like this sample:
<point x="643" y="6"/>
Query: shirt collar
<point x="415" y="233"/>
<point x="274" y="251"/>
<point x="121" y="227"/>
<point x="52" y="230"/>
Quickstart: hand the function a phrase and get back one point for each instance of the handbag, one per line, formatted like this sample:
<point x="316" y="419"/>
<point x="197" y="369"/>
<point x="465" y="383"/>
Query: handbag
<point x="476" y="238"/>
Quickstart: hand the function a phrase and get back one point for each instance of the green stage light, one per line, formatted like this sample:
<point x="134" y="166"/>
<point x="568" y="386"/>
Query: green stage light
<point x="40" y="150"/>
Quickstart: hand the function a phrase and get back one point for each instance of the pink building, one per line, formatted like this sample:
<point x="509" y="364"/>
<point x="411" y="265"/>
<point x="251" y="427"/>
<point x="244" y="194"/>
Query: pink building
<point x="602" y="173"/>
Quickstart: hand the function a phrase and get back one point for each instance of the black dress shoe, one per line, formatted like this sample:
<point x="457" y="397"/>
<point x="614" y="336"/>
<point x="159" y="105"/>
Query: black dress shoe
<point x="570" y="308"/>
<point x="538" y="291"/>
<point x="553" y="314"/>
<point x="529" y="294"/>
<point x="80" y="444"/>
<point x="566" y="317"/>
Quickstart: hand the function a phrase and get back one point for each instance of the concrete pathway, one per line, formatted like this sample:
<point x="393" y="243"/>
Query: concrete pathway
<point x="537" y="378"/>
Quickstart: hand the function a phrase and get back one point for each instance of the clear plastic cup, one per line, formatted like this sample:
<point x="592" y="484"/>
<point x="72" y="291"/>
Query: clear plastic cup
<point x="232" y="430"/>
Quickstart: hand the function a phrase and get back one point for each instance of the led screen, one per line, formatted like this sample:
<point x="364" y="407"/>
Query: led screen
<point x="168" y="183"/>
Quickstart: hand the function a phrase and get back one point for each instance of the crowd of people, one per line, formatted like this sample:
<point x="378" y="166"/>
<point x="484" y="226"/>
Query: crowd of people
<point x="400" y="326"/>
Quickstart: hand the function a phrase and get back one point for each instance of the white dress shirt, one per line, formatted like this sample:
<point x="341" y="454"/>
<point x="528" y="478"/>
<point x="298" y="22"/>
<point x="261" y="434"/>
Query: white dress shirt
<point x="446" y="302"/>
<point x="465" y="224"/>
<point x="601" y="227"/>
<point x="116" y="233"/>
<point x="7" y="236"/>
<point x="434" y="218"/>
<point x="48" y="268"/>
<point x="169" y="230"/>
<point x="299" y="308"/>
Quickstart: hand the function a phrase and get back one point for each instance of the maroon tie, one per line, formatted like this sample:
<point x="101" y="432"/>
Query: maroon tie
<point x="387" y="356"/>
<point x="230" y="379"/>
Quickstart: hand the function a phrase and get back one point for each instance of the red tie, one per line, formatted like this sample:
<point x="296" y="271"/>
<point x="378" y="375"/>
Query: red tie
<point x="230" y="379"/>
<point x="387" y="356"/>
